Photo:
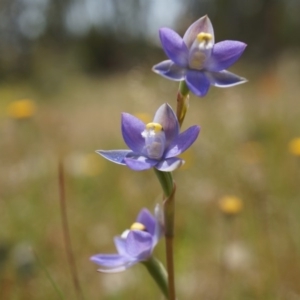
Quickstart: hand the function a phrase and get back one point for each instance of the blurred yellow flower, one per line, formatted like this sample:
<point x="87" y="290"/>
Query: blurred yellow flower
<point x="21" y="109"/>
<point x="230" y="205"/>
<point x="294" y="146"/>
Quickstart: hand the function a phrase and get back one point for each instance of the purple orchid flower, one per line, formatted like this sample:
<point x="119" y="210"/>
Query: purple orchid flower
<point x="134" y="245"/>
<point x="153" y="145"/>
<point x="196" y="58"/>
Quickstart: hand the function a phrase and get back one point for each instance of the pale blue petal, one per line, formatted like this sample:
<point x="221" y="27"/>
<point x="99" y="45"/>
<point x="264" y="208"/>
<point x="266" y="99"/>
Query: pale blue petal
<point x="197" y="82"/>
<point x="167" y="118"/>
<point x="159" y="224"/>
<point x="112" y="263"/>
<point x="224" y="79"/>
<point x="139" y="244"/>
<point x="169" y="164"/>
<point x="174" y="46"/>
<point x="183" y="141"/>
<point x="224" y="54"/>
<point x="201" y="25"/>
<point x="120" y="244"/>
<point x="169" y="70"/>
<point x="118" y="269"/>
<point x="140" y="163"/>
<point x="132" y="129"/>
<point x="116" y="156"/>
<point x="146" y="218"/>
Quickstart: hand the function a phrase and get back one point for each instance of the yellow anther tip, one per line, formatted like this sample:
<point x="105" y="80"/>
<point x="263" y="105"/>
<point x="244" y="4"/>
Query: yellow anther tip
<point x="137" y="226"/>
<point x="204" y="37"/>
<point x="154" y="126"/>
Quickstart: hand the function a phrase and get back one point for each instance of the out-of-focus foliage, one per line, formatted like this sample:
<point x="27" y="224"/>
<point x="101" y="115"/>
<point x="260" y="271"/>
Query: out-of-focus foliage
<point x="88" y="30"/>
<point x="269" y="26"/>
<point x="247" y="149"/>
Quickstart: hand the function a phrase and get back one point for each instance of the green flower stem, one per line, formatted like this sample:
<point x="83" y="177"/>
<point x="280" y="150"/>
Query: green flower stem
<point x="166" y="181"/>
<point x="182" y="101"/>
<point x="169" y="188"/>
<point x="158" y="273"/>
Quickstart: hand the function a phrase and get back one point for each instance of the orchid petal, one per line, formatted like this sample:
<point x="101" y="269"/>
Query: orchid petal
<point x="197" y="82"/>
<point x="183" y="141"/>
<point x="224" y="54"/>
<point x="116" y="156"/>
<point x="169" y="70"/>
<point x="140" y="163"/>
<point x="121" y="268"/>
<point x="174" y="46"/>
<point x="112" y="263"/>
<point x="132" y="128"/>
<point x="166" y="117"/>
<point x="159" y="224"/>
<point x="133" y="245"/>
<point x="224" y="79"/>
<point x="146" y="218"/>
<point x="139" y="244"/>
<point x="169" y="164"/>
<point x="201" y="25"/>
<point x="120" y="244"/>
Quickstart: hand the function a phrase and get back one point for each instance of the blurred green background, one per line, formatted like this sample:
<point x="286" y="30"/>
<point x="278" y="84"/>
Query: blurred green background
<point x="67" y="71"/>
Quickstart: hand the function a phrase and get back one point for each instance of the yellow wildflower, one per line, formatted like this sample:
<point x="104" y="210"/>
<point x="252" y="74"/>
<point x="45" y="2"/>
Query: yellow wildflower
<point x="21" y="109"/>
<point x="230" y="205"/>
<point x="294" y="146"/>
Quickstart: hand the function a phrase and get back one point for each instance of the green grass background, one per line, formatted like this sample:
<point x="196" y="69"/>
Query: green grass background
<point x="243" y="150"/>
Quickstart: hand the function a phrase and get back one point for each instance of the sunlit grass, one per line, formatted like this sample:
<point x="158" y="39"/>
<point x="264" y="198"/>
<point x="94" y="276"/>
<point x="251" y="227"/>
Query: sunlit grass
<point x="247" y="147"/>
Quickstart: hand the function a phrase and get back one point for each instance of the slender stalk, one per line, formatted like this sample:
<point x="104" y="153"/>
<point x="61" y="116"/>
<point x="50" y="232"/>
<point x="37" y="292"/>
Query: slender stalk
<point x="169" y="214"/>
<point x="66" y="231"/>
<point x="169" y="188"/>
<point x="54" y="285"/>
<point x="182" y="101"/>
<point x="170" y="267"/>
<point x="158" y="273"/>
